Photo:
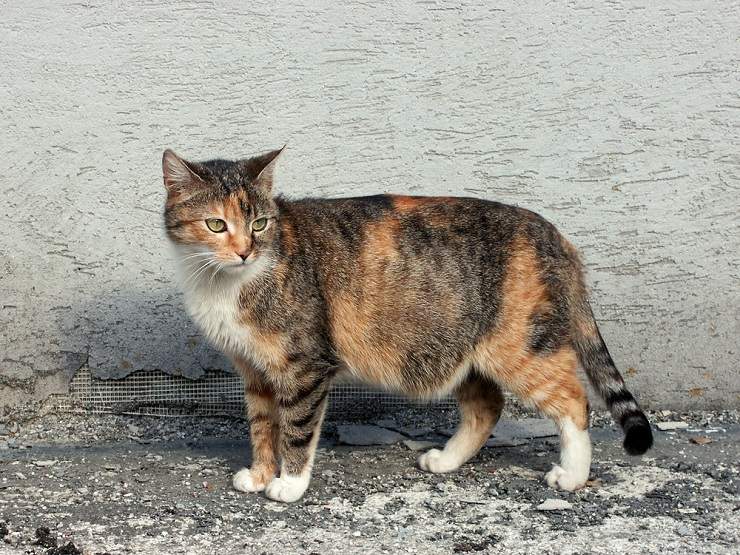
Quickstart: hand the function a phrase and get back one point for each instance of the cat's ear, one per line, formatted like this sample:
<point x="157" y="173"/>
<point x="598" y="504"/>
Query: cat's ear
<point x="263" y="168"/>
<point x="179" y="175"/>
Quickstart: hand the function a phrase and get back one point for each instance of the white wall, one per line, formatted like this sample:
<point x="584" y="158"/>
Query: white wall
<point x="618" y="121"/>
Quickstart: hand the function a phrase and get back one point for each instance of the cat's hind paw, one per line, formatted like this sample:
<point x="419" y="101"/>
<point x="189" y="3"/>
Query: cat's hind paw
<point x="437" y="461"/>
<point x="287" y="488"/>
<point x="244" y="480"/>
<point x="558" y="478"/>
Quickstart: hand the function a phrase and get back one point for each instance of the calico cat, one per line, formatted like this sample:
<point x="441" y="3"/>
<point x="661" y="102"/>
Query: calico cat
<point x="420" y="295"/>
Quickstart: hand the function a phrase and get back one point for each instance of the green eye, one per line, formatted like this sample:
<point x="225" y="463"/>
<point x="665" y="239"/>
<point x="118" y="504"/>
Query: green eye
<point x="216" y="225"/>
<point x="259" y="224"/>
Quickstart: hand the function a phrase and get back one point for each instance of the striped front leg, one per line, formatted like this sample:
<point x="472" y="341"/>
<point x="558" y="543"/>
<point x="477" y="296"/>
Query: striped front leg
<point x="264" y="433"/>
<point x="301" y="409"/>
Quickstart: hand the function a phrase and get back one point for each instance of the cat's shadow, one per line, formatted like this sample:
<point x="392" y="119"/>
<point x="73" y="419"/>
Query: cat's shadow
<point x="130" y="330"/>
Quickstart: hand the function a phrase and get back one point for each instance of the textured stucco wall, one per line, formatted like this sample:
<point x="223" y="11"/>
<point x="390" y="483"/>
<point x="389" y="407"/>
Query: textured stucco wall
<point x="618" y="121"/>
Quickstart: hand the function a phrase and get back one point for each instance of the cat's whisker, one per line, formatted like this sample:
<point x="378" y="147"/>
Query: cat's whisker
<point x="193" y="277"/>
<point x="219" y="267"/>
<point x="210" y="264"/>
<point x="196" y="255"/>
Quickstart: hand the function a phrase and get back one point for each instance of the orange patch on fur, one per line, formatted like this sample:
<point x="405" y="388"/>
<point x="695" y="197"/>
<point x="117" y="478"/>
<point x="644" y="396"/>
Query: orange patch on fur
<point x="548" y="381"/>
<point x="404" y="203"/>
<point x="356" y="312"/>
<point x="288" y="236"/>
<point x="269" y="349"/>
<point x="240" y="240"/>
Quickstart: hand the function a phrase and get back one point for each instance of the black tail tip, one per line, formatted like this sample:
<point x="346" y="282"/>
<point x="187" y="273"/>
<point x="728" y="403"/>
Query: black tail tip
<point x="638" y="437"/>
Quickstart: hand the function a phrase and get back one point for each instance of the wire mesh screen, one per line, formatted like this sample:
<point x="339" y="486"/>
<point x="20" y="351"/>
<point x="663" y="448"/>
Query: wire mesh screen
<point x="217" y="393"/>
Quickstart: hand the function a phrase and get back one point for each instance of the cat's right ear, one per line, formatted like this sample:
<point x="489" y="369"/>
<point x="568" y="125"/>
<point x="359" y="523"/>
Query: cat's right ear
<point x="179" y="176"/>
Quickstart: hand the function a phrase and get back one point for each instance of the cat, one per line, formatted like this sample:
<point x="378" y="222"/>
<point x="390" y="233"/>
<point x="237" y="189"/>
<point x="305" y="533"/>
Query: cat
<point x="426" y="296"/>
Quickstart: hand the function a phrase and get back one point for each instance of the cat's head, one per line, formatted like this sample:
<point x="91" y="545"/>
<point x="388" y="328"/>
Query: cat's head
<point x="220" y="215"/>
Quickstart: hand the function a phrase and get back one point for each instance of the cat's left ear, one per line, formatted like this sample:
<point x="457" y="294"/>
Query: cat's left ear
<point x="263" y="167"/>
<point x="179" y="174"/>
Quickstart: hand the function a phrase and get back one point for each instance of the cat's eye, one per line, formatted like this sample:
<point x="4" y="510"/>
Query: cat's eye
<point x="259" y="224"/>
<point x="216" y="225"/>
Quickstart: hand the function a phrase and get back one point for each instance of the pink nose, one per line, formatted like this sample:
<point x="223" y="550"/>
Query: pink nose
<point x="243" y="255"/>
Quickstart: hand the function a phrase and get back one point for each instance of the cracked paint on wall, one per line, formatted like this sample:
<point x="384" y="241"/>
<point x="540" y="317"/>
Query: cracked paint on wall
<point x="618" y="122"/>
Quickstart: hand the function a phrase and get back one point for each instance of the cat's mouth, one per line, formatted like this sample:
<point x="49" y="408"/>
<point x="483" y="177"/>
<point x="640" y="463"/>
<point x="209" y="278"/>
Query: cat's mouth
<point x="240" y="264"/>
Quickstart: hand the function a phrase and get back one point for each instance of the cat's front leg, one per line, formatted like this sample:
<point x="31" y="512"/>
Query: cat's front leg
<point x="301" y="410"/>
<point x="263" y="430"/>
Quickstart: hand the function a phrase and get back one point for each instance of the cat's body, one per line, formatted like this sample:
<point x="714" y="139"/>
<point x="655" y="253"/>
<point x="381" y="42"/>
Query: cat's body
<point x="420" y="295"/>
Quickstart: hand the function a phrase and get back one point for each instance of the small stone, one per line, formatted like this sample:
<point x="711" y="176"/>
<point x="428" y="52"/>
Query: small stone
<point x="44" y="463"/>
<point x="67" y="549"/>
<point x="674" y="425"/>
<point x="367" y="435"/>
<point x="700" y="440"/>
<point x="411" y="431"/>
<point x="554" y="505"/>
<point x="684" y="530"/>
<point x="45" y="538"/>
<point x="525" y="428"/>
<point x="415" y="445"/>
<point x="522" y="472"/>
<point x="505" y="442"/>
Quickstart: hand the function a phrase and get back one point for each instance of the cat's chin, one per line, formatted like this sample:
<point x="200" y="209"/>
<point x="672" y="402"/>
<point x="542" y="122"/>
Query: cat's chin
<point x="236" y="269"/>
<point x="246" y="271"/>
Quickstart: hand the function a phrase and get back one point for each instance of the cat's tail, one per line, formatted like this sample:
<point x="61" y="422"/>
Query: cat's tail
<point x="606" y="379"/>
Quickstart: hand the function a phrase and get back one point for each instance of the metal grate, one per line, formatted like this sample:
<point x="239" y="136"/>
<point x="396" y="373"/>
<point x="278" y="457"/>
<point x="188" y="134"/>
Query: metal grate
<point x="155" y="393"/>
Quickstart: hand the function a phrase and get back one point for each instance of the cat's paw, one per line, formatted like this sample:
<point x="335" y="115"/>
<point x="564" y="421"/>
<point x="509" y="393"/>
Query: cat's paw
<point x="245" y="480"/>
<point x="558" y="478"/>
<point x="287" y="488"/>
<point x="437" y="461"/>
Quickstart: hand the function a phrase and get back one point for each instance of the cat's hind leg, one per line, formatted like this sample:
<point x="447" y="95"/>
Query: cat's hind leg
<point x="480" y="401"/>
<point x="550" y="382"/>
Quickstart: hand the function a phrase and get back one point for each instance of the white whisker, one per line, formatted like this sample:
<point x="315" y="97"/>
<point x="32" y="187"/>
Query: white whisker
<point x="195" y="255"/>
<point x="194" y="275"/>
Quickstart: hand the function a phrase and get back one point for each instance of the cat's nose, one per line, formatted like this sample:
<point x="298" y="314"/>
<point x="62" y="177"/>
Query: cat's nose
<point x="243" y="255"/>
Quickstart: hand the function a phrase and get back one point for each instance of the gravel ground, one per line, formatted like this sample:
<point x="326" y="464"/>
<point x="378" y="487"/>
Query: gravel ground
<point x="117" y="484"/>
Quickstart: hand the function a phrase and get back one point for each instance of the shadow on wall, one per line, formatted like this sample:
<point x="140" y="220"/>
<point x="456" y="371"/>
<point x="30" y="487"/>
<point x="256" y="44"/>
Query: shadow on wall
<point x="127" y="330"/>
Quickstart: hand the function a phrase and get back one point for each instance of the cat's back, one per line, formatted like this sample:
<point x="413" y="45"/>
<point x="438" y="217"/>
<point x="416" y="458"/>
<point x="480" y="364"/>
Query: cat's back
<point x="415" y="225"/>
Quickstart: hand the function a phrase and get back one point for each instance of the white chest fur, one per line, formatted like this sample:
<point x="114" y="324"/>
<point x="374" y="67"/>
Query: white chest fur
<point x="215" y="310"/>
<point x="213" y="304"/>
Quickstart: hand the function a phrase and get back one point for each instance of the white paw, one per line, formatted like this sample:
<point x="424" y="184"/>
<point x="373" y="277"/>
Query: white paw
<point x="558" y="478"/>
<point x="243" y="481"/>
<point x="436" y="461"/>
<point x="287" y="488"/>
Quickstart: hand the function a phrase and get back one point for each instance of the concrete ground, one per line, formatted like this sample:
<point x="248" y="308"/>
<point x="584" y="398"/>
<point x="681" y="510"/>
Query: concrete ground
<point x="116" y="484"/>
